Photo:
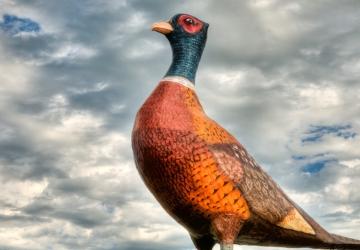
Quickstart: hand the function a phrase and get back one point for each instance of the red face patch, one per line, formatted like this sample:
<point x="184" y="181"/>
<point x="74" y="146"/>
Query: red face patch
<point x="190" y="24"/>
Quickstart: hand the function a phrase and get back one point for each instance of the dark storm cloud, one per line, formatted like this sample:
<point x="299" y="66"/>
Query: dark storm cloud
<point x="84" y="217"/>
<point x="7" y="247"/>
<point x="134" y="245"/>
<point x="18" y="220"/>
<point x="20" y="158"/>
<point x="270" y="70"/>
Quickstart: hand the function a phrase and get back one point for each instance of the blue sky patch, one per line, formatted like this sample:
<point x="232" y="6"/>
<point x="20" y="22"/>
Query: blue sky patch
<point x="298" y="157"/>
<point x="13" y="25"/>
<point x="315" y="133"/>
<point x="315" y="167"/>
<point x="314" y="163"/>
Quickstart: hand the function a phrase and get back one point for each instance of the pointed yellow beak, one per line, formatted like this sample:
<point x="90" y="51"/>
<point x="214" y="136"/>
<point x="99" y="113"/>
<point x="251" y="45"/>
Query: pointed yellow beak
<point x="162" y="27"/>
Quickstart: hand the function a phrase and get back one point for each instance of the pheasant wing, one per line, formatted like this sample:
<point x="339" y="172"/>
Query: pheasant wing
<point x="265" y="198"/>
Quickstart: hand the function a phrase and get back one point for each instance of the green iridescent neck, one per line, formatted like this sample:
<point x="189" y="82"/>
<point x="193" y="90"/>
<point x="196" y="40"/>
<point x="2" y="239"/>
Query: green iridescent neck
<point x="187" y="51"/>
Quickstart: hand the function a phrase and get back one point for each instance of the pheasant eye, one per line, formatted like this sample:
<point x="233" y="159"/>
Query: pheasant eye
<point x="189" y="21"/>
<point x="190" y="24"/>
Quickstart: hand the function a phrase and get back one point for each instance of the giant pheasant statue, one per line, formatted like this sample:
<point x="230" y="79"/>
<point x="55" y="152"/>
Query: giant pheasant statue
<point x="201" y="175"/>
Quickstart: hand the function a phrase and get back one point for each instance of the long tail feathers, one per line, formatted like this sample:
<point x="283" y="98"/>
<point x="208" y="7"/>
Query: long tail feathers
<point x="345" y="243"/>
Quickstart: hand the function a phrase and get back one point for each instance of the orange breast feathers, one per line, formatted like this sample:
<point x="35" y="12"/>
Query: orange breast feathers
<point x="204" y="127"/>
<point x="176" y="107"/>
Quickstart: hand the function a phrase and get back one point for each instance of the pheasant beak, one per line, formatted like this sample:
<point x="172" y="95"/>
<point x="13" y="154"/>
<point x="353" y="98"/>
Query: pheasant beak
<point x="162" y="27"/>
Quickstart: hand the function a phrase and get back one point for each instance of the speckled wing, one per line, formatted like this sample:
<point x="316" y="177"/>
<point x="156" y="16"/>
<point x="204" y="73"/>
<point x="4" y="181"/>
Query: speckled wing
<point x="264" y="196"/>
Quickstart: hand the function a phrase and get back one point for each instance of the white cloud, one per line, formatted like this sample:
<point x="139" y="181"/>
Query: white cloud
<point x="72" y="52"/>
<point x="355" y="163"/>
<point x="144" y="48"/>
<point x="16" y="77"/>
<point x="320" y="96"/>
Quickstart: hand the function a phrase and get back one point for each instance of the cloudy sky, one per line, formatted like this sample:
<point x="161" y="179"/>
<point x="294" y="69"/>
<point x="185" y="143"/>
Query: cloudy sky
<point x="282" y="76"/>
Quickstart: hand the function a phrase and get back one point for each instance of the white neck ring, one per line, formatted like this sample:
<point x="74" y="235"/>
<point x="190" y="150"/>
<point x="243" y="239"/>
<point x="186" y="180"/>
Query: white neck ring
<point x="180" y="80"/>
